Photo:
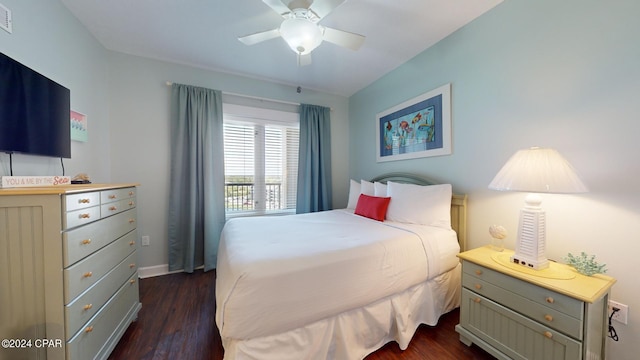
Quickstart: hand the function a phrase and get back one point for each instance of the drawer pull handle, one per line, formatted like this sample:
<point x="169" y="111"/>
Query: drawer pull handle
<point x="131" y="193"/>
<point x="548" y="335"/>
<point x="88" y="306"/>
<point x="84" y="201"/>
<point x="132" y="281"/>
<point x="477" y="300"/>
<point x="131" y="243"/>
<point x="84" y="216"/>
<point x="131" y="221"/>
<point x="88" y="329"/>
<point x="88" y="274"/>
<point x="86" y="241"/>
<point x="113" y="208"/>
<point x="478" y="286"/>
<point x="549" y="300"/>
<point x="112" y="196"/>
<point x="132" y="265"/>
<point x="478" y="272"/>
<point x="548" y="317"/>
<point x="131" y="203"/>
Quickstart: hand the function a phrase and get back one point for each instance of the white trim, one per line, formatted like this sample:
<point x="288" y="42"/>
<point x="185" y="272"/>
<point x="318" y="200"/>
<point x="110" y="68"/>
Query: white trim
<point x="157" y="270"/>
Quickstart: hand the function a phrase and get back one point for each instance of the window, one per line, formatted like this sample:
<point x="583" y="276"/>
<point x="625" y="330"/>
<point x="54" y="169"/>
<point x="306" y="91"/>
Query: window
<point x="261" y="160"/>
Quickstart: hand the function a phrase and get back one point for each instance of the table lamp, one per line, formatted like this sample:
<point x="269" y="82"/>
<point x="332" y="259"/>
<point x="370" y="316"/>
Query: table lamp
<point x="535" y="170"/>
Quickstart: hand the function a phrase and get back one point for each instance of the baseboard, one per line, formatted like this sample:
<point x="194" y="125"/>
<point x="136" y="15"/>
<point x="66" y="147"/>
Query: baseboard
<point x="157" y="270"/>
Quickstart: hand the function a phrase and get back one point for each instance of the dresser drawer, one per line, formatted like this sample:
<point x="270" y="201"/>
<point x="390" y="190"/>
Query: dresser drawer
<point x="81" y="217"/>
<point x="84" y="241"/>
<point x="115" y="207"/>
<point x="82" y="275"/>
<point x="108" y="196"/>
<point x="80" y="201"/>
<point x="516" y="336"/>
<point x="540" y="295"/>
<point x="80" y="310"/>
<point x="97" y="337"/>
<point x="544" y="315"/>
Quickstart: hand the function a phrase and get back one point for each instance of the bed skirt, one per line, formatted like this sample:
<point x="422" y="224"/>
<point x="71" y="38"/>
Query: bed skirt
<point x="356" y="333"/>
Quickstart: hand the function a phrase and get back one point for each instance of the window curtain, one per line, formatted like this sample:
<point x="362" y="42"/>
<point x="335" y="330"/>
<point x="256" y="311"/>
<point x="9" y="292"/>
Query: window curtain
<point x="314" y="163"/>
<point x="196" y="197"/>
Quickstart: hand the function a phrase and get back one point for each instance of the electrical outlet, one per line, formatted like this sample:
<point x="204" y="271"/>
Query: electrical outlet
<point x="622" y="314"/>
<point x="145" y="240"/>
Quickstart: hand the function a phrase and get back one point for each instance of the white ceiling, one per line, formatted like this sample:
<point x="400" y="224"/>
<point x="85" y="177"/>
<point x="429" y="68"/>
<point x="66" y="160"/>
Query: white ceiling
<point x="203" y="33"/>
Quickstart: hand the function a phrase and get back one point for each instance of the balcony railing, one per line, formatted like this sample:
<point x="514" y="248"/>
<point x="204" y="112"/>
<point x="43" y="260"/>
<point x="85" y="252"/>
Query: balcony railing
<point x="241" y="197"/>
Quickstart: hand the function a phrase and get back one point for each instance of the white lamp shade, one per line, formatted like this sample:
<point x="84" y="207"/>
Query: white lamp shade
<point x="302" y="35"/>
<point x="539" y="170"/>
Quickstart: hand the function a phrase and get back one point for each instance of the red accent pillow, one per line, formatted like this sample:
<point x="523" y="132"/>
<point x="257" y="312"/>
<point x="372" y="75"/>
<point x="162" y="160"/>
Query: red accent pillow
<point x="373" y="207"/>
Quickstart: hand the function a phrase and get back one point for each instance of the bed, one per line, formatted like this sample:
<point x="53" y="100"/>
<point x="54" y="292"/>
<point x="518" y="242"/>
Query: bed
<point x="340" y="284"/>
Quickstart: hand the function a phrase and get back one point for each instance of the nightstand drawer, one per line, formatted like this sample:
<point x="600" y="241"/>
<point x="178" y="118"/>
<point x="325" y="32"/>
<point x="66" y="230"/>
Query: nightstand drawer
<point x="540" y="313"/>
<point x="514" y="335"/>
<point x="540" y="295"/>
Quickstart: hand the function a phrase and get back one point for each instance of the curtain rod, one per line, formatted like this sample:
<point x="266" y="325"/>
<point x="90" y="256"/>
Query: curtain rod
<point x="169" y="83"/>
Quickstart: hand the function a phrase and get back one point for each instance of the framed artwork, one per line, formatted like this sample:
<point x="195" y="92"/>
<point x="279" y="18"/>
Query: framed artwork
<point x="79" y="126"/>
<point x="419" y="127"/>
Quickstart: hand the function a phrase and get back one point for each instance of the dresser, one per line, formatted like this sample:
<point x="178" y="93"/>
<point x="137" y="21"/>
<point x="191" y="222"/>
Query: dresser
<point x="68" y="273"/>
<point x="519" y="313"/>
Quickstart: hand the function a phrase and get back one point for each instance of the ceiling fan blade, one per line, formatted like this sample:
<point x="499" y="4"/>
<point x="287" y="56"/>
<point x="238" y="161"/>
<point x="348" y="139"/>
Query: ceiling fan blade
<point x="277" y="6"/>
<point x="259" y="37"/>
<point x="343" y="38"/>
<point x="304" y="60"/>
<point x="322" y="8"/>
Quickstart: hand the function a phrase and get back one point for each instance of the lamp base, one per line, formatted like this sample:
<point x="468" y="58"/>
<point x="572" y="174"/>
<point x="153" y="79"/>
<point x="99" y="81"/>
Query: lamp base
<point x="537" y="264"/>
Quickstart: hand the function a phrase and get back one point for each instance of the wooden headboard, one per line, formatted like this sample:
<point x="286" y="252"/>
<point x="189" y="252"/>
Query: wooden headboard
<point x="458" y="202"/>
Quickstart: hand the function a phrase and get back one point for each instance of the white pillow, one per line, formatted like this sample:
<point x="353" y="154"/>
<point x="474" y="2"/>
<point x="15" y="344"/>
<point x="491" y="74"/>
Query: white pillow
<point x="415" y="204"/>
<point x="367" y="188"/>
<point x="354" y="194"/>
<point x="380" y="189"/>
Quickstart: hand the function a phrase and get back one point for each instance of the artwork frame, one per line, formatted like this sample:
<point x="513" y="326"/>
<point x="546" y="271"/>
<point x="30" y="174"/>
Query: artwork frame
<point x="419" y="127"/>
<point x="79" y="127"/>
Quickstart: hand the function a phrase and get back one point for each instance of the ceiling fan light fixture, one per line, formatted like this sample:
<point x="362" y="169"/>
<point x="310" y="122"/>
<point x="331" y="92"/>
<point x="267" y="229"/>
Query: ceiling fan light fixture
<point x="302" y="35"/>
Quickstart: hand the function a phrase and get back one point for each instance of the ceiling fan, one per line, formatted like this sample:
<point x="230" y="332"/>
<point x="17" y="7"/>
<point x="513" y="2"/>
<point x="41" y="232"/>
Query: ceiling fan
<point x="300" y="28"/>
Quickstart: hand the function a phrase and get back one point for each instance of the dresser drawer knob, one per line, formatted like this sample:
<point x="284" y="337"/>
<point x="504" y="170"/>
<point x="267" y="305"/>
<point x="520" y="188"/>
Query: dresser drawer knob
<point x="131" y="203"/>
<point x="113" y="208"/>
<point x="87" y="307"/>
<point x="548" y="334"/>
<point x="131" y="193"/>
<point x="549" y="300"/>
<point x="132" y="265"/>
<point x="131" y="243"/>
<point x="132" y="281"/>
<point x="84" y="216"/>
<point x="477" y="300"/>
<point x="88" y="329"/>
<point x="88" y="274"/>
<point x="84" y="201"/>
<point x="478" y="286"/>
<point x="131" y="221"/>
<point x="112" y="196"/>
<point x="86" y="241"/>
<point x="478" y="272"/>
<point x="548" y="317"/>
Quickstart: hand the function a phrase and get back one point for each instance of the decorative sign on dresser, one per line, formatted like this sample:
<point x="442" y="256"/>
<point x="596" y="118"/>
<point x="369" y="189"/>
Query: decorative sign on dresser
<point x="514" y="312"/>
<point x="68" y="273"/>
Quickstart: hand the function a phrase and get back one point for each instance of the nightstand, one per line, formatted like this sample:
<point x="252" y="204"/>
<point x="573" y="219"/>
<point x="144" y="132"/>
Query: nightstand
<point x="514" y="312"/>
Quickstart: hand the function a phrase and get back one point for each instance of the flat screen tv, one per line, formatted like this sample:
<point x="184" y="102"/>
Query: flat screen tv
<point x="34" y="112"/>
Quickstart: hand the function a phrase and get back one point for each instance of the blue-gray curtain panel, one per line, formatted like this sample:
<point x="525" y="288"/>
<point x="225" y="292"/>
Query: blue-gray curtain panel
<point x="196" y="197"/>
<point x="314" y="164"/>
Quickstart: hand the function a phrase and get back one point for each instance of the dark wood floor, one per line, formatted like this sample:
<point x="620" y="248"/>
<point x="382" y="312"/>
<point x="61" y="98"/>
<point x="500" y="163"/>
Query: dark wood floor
<point x="177" y="321"/>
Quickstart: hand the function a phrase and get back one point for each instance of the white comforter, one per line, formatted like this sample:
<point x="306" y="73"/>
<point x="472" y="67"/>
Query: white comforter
<point x="275" y="274"/>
